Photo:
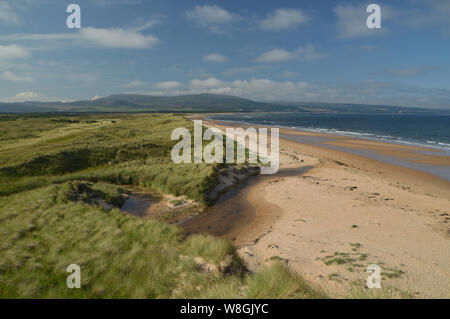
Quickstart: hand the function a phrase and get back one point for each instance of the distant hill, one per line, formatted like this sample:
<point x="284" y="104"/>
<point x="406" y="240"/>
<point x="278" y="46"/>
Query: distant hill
<point x="195" y="103"/>
<point x="358" y="108"/>
<point x="149" y="103"/>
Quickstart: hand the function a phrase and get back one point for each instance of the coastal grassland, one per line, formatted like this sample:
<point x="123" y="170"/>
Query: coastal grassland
<point x="119" y="149"/>
<point x="55" y="169"/>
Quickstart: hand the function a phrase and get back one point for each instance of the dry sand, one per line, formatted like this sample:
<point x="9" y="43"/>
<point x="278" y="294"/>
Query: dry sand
<point x="347" y="212"/>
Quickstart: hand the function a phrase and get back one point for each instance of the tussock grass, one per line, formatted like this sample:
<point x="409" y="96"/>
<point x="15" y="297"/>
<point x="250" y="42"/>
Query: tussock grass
<point x="274" y="281"/>
<point x="202" y="245"/>
<point x="359" y="291"/>
<point x="277" y="281"/>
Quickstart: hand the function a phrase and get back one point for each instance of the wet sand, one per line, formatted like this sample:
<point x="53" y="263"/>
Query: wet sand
<point x="429" y="160"/>
<point x="343" y="212"/>
<point x="235" y="215"/>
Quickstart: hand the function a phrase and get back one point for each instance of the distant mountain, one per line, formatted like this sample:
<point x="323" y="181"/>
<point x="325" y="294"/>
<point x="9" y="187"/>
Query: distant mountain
<point x="196" y="103"/>
<point x="149" y="103"/>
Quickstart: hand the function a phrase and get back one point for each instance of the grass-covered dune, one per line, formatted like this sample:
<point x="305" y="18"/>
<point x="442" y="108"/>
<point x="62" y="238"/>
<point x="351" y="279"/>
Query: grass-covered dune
<point x="124" y="149"/>
<point x="51" y="169"/>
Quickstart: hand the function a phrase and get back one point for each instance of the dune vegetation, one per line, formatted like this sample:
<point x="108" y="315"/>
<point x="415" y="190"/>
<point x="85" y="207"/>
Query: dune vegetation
<point x="124" y="149"/>
<point x="54" y="169"/>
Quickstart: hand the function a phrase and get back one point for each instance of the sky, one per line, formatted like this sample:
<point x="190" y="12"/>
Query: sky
<point x="317" y="51"/>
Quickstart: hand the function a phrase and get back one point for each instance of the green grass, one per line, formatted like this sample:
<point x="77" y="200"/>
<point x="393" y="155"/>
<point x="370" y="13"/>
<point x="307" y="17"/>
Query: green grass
<point x="360" y="291"/>
<point x="276" y="281"/>
<point x="390" y="272"/>
<point x="129" y="149"/>
<point x="121" y="256"/>
<point x="339" y="258"/>
<point x="53" y="169"/>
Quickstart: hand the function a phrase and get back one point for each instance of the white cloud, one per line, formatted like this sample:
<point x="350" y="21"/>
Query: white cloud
<point x="307" y="53"/>
<point x="135" y="84"/>
<point x="352" y="21"/>
<point x="11" y="77"/>
<point x="283" y="19"/>
<point x="149" y="24"/>
<point x="275" y="55"/>
<point x="33" y="96"/>
<point x="26" y="96"/>
<point x="205" y="84"/>
<point x="109" y="38"/>
<point x="206" y="15"/>
<point x="8" y="14"/>
<point x="216" y="58"/>
<point x="118" y="38"/>
<point x="167" y="85"/>
<point x="213" y="17"/>
<point x="13" y="51"/>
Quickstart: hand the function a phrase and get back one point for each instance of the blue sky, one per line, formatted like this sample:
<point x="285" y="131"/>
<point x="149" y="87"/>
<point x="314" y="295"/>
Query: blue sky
<point x="263" y="50"/>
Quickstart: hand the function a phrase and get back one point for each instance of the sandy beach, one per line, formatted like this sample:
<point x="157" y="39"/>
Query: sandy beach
<point x="329" y="213"/>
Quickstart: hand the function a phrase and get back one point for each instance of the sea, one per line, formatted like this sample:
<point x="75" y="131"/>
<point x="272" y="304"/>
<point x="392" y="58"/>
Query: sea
<point x="423" y="130"/>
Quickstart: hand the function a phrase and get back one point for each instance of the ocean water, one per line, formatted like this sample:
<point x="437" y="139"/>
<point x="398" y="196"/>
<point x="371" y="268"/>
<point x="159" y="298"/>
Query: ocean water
<point x="431" y="131"/>
<point x="421" y="130"/>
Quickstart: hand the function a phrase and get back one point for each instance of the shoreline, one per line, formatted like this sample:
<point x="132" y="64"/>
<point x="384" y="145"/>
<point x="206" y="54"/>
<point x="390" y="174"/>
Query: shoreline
<point x="431" y="146"/>
<point x="430" y="159"/>
<point x="346" y="211"/>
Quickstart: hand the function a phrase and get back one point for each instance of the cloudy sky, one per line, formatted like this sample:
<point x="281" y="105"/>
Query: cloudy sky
<point x="263" y="50"/>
